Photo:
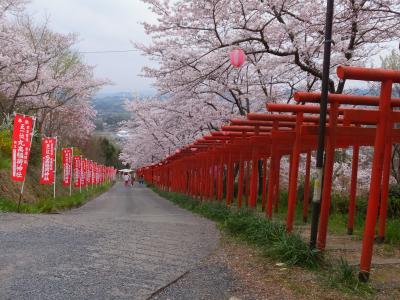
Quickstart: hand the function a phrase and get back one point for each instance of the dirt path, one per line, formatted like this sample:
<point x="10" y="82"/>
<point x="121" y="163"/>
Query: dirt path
<point x="125" y="244"/>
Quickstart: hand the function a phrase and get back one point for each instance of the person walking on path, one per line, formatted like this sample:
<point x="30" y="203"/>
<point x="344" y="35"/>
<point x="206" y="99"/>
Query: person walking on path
<point x="126" y="178"/>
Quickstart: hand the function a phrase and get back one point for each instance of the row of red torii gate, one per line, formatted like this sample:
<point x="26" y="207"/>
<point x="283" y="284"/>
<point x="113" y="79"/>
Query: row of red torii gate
<point x="353" y="121"/>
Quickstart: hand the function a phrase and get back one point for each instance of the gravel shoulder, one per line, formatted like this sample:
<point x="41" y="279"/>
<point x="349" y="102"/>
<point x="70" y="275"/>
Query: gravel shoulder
<point x="211" y="279"/>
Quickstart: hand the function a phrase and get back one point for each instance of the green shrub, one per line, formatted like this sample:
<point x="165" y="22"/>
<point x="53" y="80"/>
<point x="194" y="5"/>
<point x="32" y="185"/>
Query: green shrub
<point x="5" y="142"/>
<point x="392" y="235"/>
<point x="36" y="152"/>
<point x="339" y="204"/>
<point x="394" y="201"/>
<point x="5" y="148"/>
<point x="300" y="192"/>
<point x="362" y="205"/>
<point x="7" y="205"/>
<point x="5" y="162"/>
<point x="283" y="197"/>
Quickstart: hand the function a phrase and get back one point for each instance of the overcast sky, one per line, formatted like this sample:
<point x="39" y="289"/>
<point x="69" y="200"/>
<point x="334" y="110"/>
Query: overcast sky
<point x="103" y="25"/>
<point x="108" y="25"/>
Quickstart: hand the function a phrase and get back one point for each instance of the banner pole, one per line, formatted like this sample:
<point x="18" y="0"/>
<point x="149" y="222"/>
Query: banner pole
<point x="92" y="173"/>
<point x="72" y="170"/>
<point x="80" y="176"/>
<point x="55" y="168"/>
<point x="23" y="182"/>
<point x="20" y="196"/>
<point x="87" y="167"/>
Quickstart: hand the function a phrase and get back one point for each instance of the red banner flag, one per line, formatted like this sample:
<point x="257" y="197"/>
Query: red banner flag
<point x="48" y="156"/>
<point x="67" y="166"/>
<point x="94" y="173"/>
<point x="89" y="172"/>
<point x="98" y="174"/>
<point x="77" y="171"/>
<point x="21" y="146"/>
<point x="84" y="171"/>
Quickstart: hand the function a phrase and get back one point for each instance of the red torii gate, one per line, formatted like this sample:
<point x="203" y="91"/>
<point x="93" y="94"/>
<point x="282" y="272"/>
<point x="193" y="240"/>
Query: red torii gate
<point x="273" y="135"/>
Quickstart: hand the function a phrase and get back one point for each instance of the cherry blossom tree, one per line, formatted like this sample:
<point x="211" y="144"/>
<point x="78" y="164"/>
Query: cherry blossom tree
<point x="159" y="127"/>
<point x="283" y="41"/>
<point x="41" y="75"/>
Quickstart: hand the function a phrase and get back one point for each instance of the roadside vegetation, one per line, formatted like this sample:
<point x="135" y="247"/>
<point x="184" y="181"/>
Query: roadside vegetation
<point x="274" y="242"/>
<point x="50" y="205"/>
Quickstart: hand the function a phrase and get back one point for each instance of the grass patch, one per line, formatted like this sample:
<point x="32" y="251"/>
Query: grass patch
<point x="292" y="250"/>
<point x="54" y="205"/>
<point x="343" y="277"/>
<point x="338" y="224"/>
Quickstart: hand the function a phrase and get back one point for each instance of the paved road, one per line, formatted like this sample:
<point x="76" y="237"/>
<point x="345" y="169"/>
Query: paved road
<point x="126" y="244"/>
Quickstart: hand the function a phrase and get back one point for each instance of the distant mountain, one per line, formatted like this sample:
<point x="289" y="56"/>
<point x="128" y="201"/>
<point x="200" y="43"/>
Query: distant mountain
<point x="111" y="111"/>
<point x="109" y="104"/>
<point x="114" y="94"/>
<point x="126" y="94"/>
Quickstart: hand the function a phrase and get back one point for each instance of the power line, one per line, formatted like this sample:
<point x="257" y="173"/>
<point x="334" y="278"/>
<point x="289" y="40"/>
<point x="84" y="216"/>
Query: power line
<point x="107" y="51"/>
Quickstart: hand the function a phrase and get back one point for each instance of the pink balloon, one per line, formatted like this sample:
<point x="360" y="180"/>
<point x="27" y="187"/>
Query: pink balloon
<point x="238" y="57"/>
